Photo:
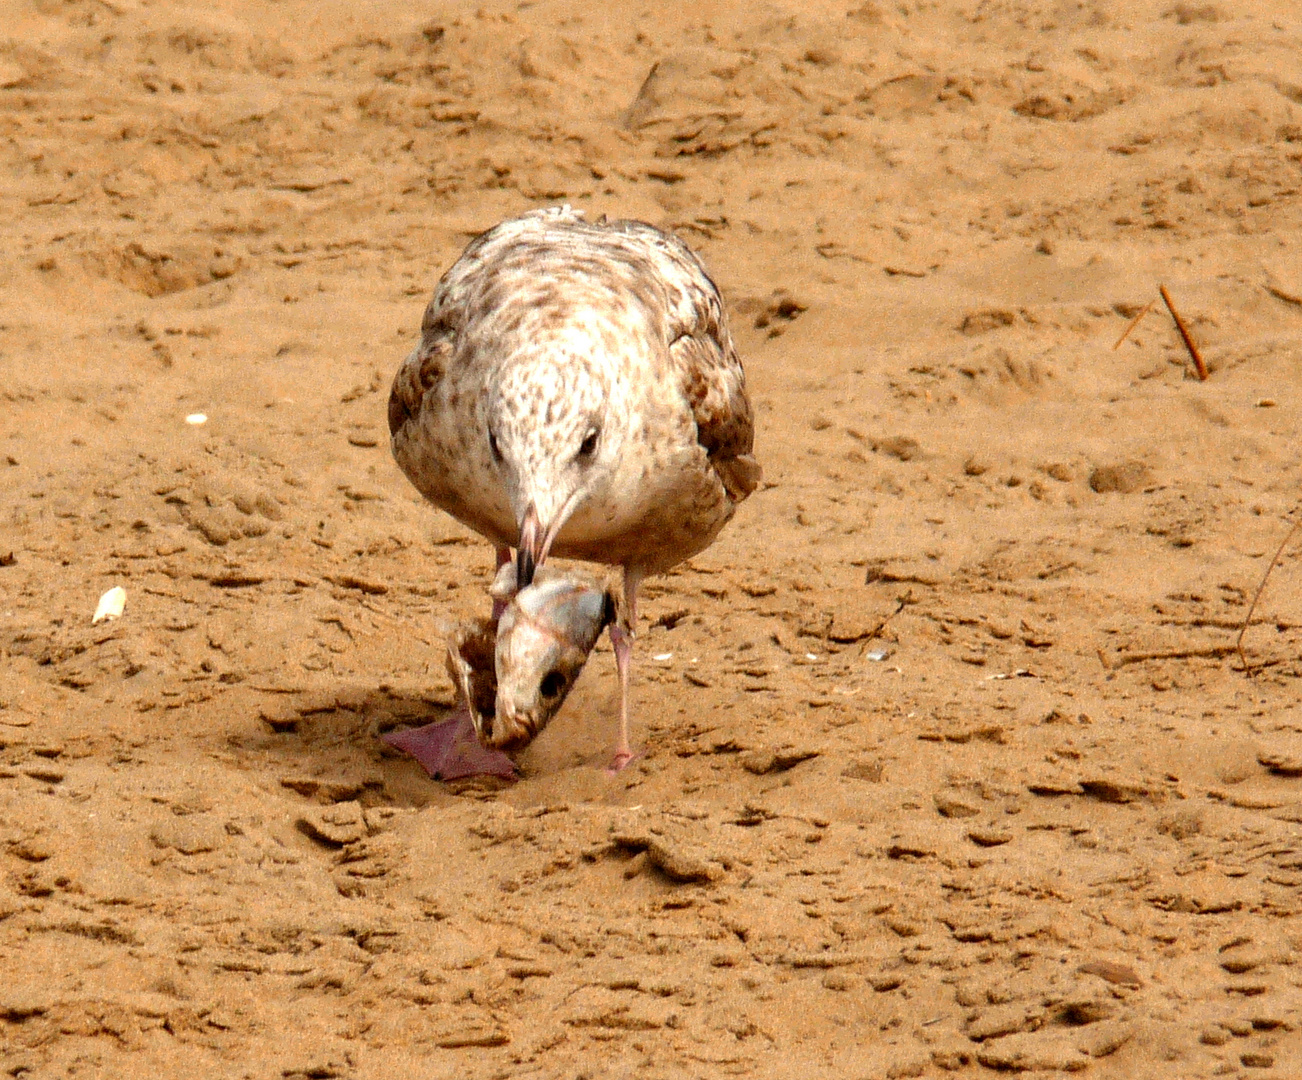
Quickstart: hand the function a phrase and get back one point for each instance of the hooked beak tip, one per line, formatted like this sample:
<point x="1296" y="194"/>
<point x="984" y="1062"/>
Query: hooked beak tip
<point x="529" y="553"/>
<point x="524" y="568"/>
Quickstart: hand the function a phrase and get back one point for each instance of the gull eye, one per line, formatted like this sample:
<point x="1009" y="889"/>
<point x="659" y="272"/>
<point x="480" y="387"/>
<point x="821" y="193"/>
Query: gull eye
<point x="493" y="448"/>
<point x="551" y="686"/>
<point x="589" y="445"/>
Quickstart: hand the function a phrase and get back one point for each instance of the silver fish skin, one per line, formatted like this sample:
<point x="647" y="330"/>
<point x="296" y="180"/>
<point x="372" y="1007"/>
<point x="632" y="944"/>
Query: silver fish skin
<point x="544" y="637"/>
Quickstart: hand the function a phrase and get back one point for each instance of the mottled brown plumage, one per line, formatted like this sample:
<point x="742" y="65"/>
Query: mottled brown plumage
<point x="576" y="392"/>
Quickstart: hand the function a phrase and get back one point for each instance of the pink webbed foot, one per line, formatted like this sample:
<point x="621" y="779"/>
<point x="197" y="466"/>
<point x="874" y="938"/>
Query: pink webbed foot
<point x="622" y="759"/>
<point x="448" y="749"/>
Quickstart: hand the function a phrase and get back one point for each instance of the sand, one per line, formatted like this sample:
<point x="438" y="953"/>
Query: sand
<point x="949" y="765"/>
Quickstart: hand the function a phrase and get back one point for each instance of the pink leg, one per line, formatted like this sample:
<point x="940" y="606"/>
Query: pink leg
<point x="449" y="749"/>
<point x="499" y="606"/>
<point x="621" y="639"/>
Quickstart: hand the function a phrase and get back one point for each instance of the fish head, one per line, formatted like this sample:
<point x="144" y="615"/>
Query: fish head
<point x="543" y="640"/>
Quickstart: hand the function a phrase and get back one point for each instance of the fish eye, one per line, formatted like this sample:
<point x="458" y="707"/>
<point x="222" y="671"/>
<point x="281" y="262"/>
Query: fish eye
<point x="551" y="686"/>
<point x="493" y="448"/>
<point x="589" y="445"/>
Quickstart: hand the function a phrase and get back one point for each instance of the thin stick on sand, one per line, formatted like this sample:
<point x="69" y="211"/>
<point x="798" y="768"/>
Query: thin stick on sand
<point x="1133" y="323"/>
<point x="1184" y="333"/>
<point x="903" y="602"/>
<point x="1238" y="644"/>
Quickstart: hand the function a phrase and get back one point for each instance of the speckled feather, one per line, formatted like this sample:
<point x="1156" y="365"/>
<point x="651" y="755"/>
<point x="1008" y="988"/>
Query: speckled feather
<point x="550" y="326"/>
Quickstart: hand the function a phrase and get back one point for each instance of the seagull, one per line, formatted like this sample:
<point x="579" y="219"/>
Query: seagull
<point x="575" y="392"/>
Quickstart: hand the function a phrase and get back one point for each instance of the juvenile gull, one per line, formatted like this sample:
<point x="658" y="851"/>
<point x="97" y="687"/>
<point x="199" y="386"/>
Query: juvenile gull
<point x="576" y="392"/>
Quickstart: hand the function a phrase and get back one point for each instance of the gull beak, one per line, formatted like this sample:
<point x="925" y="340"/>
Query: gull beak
<point x="531" y="550"/>
<point x="536" y="539"/>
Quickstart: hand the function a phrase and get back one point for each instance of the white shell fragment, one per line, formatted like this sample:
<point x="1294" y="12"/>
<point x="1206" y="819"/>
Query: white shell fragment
<point x="111" y="605"/>
<point x="197" y="418"/>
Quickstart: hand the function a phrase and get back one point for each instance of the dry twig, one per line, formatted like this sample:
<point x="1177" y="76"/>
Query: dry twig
<point x="1238" y="643"/>
<point x="876" y="631"/>
<point x="1184" y="333"/>
<point x="1133" y="323"/>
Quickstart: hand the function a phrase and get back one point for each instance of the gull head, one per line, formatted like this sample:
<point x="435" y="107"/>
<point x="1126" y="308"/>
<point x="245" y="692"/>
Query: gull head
<point x="553" y="440"/>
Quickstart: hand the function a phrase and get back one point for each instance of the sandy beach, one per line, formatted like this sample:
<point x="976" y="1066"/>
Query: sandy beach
<point x="949" y="763"/>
